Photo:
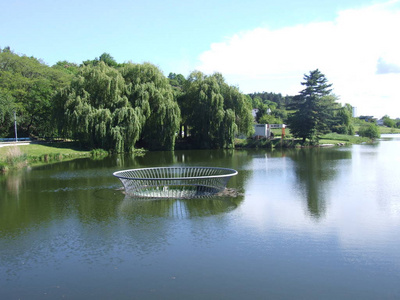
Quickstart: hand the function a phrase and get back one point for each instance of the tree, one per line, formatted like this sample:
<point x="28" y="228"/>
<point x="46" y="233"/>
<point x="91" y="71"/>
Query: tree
<point x="206" y="113"/>
<point x="7" y="108"/>
<point x="149" y="90"/>
<point x="314" y="107"/>
<point x="31" y="84"/>
<point x="387" y="121"/>
<point x="108" y="60"/>
<point x="214" y="111"/>
<point x="105" y="58"/>
<point x="95" y="110"/>
<point x="343" y="120"/>
<point x="67" y="67"/>
<point x="370" y="131"/>
<point x="114" y="109"/>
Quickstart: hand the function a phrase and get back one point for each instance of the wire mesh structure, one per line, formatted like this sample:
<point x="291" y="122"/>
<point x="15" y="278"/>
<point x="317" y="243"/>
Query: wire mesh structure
<point x="175" y="182"/>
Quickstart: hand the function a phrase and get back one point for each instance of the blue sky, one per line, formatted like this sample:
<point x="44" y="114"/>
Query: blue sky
<point x="258" y="45"/>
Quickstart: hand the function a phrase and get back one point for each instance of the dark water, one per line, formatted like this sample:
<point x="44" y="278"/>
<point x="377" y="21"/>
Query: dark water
<point x="310" y="224"/>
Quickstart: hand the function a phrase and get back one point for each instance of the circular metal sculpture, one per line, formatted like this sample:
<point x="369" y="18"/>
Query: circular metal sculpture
<point x="175" y="182"/>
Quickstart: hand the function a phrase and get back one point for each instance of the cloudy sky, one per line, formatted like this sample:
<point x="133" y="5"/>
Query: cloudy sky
<point x="258" y="45"/>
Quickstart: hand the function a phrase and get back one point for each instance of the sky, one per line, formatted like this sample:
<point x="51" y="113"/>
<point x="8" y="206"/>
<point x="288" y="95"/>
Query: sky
<point x="257" y="45"/>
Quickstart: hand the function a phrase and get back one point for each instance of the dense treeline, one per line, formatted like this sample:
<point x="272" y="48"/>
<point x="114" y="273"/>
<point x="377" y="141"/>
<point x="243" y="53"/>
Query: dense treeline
<point x="27" y="86"/>
<point x="117" y="107"/>
<point x="104" y="104"/>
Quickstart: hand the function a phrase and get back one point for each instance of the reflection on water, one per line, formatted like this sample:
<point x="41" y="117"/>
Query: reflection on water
<point x="308" y="224"/>
<point x="315" y="171"/>
<point x="178" y="208"/>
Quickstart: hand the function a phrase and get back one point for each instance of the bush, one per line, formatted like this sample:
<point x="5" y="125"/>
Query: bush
<point x="370" y="131"/>
<point x="98" y="153"/>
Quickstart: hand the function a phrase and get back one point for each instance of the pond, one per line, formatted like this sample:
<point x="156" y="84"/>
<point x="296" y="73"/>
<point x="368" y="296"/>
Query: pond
<point x="320" y="223"/>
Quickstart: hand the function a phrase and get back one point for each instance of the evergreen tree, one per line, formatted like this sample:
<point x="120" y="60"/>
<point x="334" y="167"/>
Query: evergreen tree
<point x="314" y="107"/>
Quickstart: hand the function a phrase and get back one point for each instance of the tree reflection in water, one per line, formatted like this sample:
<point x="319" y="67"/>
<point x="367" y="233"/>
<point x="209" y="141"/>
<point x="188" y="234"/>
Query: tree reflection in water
<point x="315" y="169"/>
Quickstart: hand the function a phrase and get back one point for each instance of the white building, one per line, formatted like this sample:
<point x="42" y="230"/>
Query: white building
<point x="264" y="130"/>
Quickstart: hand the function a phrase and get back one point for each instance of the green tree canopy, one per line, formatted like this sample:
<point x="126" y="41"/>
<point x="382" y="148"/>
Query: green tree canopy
<point x="31" y="83"/>
<point x="315" y="105"/>
<point x="387" y="121"/>
<point x="370" y="131"/>
<point x="94" y="109"/>
<point x="111" y="109"/>
<point x="149" y="90"/>
<point x="214" y="111"/>
<point x="7" y="108"/>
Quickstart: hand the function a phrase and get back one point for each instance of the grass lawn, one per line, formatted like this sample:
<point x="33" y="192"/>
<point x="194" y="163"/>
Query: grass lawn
<point x="334" y="138"/>
<point x="384" y="130"/>
<point x="17" y="157"/>
<point x="39" y="150"/>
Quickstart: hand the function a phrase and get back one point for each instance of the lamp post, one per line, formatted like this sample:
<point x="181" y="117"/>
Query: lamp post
<point x="15" y="127"/>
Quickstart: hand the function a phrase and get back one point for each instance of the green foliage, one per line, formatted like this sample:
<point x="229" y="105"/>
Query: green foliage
<point x="370" y="131"/>
<point x="67" y="67"/>
<point x="315" y="104"/>
<point x="387" y="121"/>
<point x="7" y="108"/>
<point x="345" y="138"/>
<point x="31" y="84"/>
<point x="95" y="110"/>
<point x="214" y="111"/>
<point x="149" y="91"/>
<point x="281" y="102"/>
<point x="106" y="58"/>
<point x="343" y="121"/>
<point x="177" y="81"/>
<point x="98" y="153"/>
<point x="269" y="119"/>
<point x="111" y="109"/>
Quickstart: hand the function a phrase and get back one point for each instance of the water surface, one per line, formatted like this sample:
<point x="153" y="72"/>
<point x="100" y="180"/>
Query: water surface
<point x="309" y="224"/>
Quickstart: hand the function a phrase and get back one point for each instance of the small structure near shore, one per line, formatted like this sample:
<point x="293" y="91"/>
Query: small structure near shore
<point x="264" y="130"/>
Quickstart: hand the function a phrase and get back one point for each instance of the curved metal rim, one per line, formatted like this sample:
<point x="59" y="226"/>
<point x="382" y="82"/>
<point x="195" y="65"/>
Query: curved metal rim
<point x="234" y="172"/>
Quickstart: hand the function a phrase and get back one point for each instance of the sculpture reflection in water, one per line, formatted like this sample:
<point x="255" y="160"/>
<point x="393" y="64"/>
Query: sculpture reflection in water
<point x="178" y="208"/>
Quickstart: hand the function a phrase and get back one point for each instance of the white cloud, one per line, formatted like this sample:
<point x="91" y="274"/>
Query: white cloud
<point x="350" y="50"/>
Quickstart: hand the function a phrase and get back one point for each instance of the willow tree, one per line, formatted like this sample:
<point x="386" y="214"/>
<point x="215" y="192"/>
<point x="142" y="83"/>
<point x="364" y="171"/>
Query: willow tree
<point x="241" y="108"/>
<point x="214" y="111"/>
<point x="149" y="91"/>
<point x="95" y="110"/>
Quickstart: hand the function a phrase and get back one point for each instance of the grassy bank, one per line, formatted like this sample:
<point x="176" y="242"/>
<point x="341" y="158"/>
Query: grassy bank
<point x="388" y="130"/>
<point x="335" y="138"/>
<point x="14" y="157"/>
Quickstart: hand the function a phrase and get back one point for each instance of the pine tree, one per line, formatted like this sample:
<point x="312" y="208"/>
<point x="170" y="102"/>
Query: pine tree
<point x="314" y="108"/>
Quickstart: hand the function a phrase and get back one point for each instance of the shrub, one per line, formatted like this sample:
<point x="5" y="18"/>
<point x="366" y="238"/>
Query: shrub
<point x="96" y="153"/>
<point x="370" y="131"/>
